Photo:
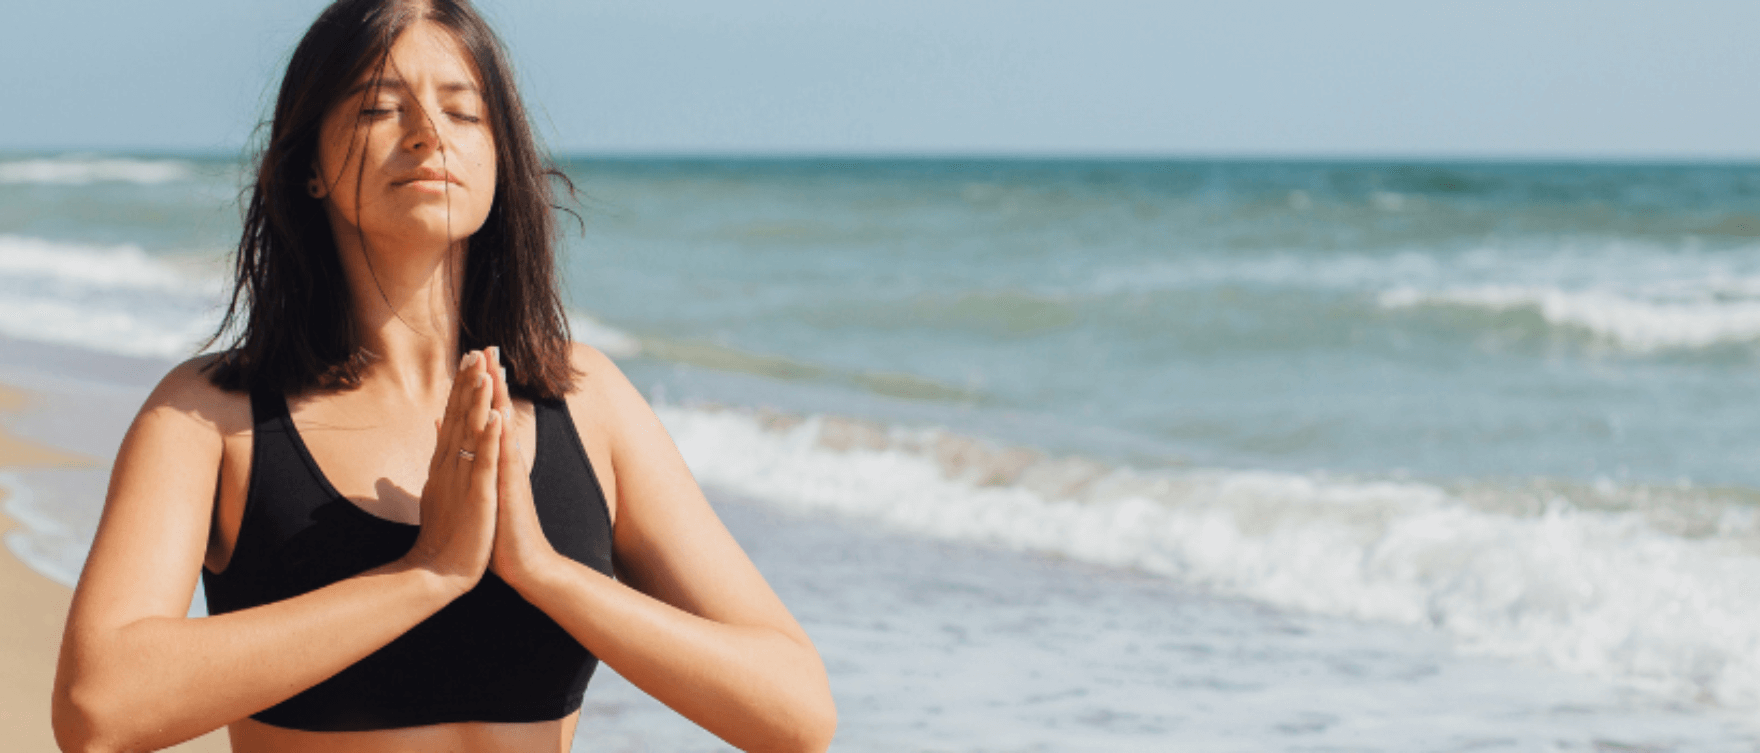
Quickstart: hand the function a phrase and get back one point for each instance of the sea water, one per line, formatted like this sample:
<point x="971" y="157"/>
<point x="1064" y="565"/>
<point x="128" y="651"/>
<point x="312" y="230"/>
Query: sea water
<point x="1135" y="454"/>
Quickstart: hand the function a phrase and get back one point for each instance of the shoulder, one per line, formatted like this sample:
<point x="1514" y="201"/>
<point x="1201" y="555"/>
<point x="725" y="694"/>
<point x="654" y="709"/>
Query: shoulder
<point x="596" y="376"/>
<point x="179" y="440"/>
<point x="604" y="402"/>
<point x="188" y="396"/>
<point x="587" y="359"/>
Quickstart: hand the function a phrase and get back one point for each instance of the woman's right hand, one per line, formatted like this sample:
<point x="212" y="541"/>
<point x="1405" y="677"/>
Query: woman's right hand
<point x="458" y="502"/>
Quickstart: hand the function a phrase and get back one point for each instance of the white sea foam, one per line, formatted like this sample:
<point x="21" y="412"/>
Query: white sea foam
<point x="44" y="544"/>
<point x="1603" y="593"/>
<point x="111" y="331"/>
<point x="1288" y="269"/>
<point x="1643" y="272"/>
<point x="116" y="299"/>
<point x="108" y="267"/>
<point x="82" y="170"/>
<point x="1631" y="321"/>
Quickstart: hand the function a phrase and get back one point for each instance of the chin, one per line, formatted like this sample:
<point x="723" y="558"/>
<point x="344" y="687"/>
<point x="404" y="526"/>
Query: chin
<point x="422" y="234"/>
<point x="436" y="223"/>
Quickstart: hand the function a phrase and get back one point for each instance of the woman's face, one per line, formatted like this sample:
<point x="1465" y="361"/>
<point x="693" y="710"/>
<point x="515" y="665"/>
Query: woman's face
<point x="408" y="158"/>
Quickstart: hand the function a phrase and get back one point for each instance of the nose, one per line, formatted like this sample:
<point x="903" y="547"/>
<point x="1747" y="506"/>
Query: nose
<point x="420" y="133"/>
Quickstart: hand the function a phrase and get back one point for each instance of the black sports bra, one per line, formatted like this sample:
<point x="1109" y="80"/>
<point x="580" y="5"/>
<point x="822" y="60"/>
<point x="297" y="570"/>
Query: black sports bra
<point x="489" y="656"/>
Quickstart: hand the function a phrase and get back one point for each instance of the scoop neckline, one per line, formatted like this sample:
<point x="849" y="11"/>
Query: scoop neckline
<point x="305" y="453"/>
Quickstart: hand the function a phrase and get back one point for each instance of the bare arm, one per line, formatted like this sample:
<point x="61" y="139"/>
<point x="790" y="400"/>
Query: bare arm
<point x="135" y="673"/>
<point x="696" y="626"/>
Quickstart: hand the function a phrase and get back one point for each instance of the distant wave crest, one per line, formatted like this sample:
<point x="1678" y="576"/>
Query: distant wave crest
<point x="1633" y="322"/>
<point x="85" y="265"/>
<point x="76" y="171"/>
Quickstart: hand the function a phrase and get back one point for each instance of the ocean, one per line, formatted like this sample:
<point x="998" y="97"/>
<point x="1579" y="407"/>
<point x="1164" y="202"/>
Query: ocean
<point x="1112" y="454"/>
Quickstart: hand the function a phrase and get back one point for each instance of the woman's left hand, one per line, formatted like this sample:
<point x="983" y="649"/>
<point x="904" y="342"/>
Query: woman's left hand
<point x="520" y="547"/>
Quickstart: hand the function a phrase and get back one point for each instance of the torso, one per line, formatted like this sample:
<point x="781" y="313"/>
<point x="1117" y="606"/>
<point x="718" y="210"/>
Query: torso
<point x="375" y="453"/>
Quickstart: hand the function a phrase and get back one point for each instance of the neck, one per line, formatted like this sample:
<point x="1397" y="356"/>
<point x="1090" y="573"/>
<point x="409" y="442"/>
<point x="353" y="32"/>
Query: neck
<point x="406" y="311"/>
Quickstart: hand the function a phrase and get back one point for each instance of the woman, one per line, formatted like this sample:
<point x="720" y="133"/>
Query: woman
<point x="404" y="488"/>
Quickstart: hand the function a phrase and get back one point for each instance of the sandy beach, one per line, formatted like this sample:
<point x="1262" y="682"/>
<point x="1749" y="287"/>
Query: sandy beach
<point x="36" y="609"/>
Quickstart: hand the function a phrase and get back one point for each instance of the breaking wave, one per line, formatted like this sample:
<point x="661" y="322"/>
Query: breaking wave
<point x="116" y="299"/>
<point x="1633" y="322"/>
<point x="1640" y="585"/>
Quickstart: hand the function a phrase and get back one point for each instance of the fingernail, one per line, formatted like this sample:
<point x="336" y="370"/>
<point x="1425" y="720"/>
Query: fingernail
<point x="494" y="416"/>
<point x="482" y="379"/>
<point x="497" y="350"/>
<point x="464" y="362"/>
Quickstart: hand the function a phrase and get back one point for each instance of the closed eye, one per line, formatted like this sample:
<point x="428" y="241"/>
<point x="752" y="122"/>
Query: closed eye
<point x="466" y="117"/>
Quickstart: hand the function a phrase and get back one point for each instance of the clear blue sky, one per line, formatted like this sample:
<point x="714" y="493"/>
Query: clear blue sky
<point x="1489" y="78"/>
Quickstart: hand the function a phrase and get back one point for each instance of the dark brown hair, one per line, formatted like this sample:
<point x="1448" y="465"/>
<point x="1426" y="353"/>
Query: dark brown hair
<point x="291" y="305"/>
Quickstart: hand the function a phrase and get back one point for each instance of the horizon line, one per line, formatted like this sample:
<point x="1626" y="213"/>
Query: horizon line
<point x="755" y="155"/>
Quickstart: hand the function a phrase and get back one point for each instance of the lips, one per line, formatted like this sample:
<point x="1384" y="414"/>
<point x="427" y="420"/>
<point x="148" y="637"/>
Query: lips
<point x="426" y="173"/>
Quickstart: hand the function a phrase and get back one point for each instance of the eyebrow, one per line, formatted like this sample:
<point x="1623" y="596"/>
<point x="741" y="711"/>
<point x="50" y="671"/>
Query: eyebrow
<point x="392" y="82"/>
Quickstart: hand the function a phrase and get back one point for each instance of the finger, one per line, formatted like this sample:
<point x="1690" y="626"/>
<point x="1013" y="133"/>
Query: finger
<point x="512" y="463"/>
<point x="521" y="458"/>
<point x="484" y="472"/>
<point x="467" y="390"/>
<point x="470" y="426"/>
<point x="460" y="383"/>
<point x="443" y="425"/>
<point x="498" y="372"/>
<point x="504" y="403"/>
<point x="434" y="461"/>
<point x="482" y="399"/>
<point x="457" y="403"/>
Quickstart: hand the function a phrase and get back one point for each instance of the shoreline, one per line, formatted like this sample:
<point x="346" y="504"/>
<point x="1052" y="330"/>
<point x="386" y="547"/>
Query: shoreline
<point x="30" y="638"/>
<point x="31" y="625"/>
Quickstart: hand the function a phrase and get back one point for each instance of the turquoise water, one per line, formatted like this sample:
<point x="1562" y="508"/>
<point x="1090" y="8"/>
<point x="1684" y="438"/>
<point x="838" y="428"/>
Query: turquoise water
<point x="1442" y="320"/>
<point x="1507" y="321"/>
<point x="1503" y="407"/>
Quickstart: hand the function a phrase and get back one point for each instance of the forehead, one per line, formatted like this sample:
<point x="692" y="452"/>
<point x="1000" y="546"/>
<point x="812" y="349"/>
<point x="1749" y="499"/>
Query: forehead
<point x="423" y="55"/>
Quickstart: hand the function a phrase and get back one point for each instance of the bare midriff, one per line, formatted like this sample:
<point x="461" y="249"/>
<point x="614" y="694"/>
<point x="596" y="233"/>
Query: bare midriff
<point x="251" y="736"/>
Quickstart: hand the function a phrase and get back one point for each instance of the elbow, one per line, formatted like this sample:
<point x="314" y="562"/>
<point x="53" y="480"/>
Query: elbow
<point x="802" y="725"/>
<point x="73" y="723"/>
<point x="814" y="727"/>
<point x="79" y="722"/>
<point x="814" y="717"/>
<point x="822" y="731"/>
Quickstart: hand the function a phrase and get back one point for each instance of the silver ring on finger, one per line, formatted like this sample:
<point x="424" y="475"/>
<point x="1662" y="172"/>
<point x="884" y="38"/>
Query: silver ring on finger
<point x="467" y="455"/>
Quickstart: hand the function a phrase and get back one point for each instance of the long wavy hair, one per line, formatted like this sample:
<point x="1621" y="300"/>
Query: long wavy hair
<point x="291" y="310"/>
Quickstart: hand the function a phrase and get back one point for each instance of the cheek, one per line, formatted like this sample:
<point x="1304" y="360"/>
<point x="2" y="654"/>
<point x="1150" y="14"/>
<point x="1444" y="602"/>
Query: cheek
<point x="337" y="166"/>
<point x="333" y="147"/>
<point x="481" y="155"/>
<point x="482" y="158"/>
